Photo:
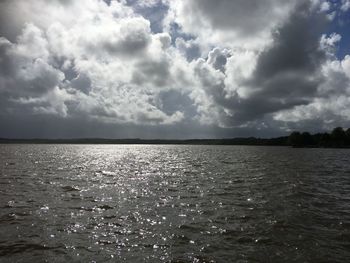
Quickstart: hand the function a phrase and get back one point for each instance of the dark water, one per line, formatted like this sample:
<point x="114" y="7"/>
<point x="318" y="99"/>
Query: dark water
<point x="100" y="203"/>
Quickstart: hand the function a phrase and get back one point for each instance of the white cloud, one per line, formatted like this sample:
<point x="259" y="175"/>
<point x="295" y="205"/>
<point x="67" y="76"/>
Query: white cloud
<point x="103" y="63"/>
<point x="346" y="65"/>
<point x="325" y="6"/>
<point x="120" y="65"/>
<point x="228" y="23"/>
<point x="345" y="5"/>
<point x="328" y="43"/>
<point x="332" y="102"/>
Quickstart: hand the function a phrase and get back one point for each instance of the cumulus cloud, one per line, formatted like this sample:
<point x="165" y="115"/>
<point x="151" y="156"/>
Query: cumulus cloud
<point x="27" y="77"/>
<point x="230" y="23"/>
<point x="100" y="61"/>
<point x="172" y="65"/>
<point x="245" y="86"/>
<point x="330" y="106"/>
<point x="345" y="5"/>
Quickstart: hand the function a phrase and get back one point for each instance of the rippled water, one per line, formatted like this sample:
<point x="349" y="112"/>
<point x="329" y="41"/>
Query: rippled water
<point x="149" y="203"/>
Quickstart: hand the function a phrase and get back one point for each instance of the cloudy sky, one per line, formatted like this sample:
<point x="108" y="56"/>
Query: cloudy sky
<point x="173" y="68"/>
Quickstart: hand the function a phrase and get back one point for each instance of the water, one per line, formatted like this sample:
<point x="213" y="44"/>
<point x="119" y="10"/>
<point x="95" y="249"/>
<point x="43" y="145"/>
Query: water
<point x="149" y="203"/>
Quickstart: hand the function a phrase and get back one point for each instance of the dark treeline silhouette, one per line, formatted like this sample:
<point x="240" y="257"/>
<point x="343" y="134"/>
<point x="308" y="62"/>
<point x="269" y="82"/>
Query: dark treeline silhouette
<point x="338" y="138"/>
<point x="234" y="141"/>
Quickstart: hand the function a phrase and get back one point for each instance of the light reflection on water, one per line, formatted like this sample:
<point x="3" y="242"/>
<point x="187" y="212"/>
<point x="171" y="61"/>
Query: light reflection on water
<point x="148" y="203"/>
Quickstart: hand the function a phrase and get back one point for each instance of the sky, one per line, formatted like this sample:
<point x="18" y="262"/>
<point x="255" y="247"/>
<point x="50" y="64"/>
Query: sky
<point x="173" y="68"/>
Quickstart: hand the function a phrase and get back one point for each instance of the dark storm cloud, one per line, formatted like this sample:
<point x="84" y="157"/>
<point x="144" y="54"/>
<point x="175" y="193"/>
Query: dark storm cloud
<point x="7" y="63"/>
<point x="287" y="73"/>
<point x="296" y="46"/>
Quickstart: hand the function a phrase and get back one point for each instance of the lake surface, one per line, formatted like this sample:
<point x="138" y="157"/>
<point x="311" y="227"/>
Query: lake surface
<point x="158" y="203"/>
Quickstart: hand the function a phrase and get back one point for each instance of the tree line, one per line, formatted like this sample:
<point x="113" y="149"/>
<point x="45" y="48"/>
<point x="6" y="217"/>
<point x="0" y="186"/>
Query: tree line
<point x="338" y="138"/>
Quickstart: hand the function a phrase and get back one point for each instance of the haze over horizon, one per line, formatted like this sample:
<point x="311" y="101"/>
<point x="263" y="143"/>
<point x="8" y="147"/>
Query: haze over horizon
<point x="173" y="69"/>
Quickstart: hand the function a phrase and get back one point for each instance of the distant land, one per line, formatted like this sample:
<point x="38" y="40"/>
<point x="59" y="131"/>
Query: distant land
<point x="234" y="141"/>
<point x="338" y="138"/>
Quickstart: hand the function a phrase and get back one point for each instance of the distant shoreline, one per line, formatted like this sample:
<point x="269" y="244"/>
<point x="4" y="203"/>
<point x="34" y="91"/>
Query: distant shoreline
<point x="338" y="138"/>
<point x="280" y="141"/>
